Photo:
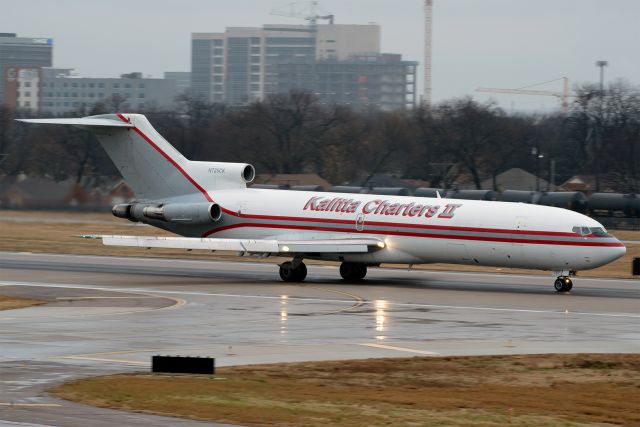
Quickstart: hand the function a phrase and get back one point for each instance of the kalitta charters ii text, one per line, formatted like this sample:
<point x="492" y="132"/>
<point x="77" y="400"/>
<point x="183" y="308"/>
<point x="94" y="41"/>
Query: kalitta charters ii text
<point x="379" y="207"/>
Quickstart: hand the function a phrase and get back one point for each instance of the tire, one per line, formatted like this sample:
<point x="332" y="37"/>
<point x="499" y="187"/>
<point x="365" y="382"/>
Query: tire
<point x="287" y="273"/>
<point x="558" y="285"/>
<point x="290" y="274"/>
<point x="300" y="273"/>
<point x="568" y="284"/>
<point x="361" y="271"/>
<point x="353" y="271"/>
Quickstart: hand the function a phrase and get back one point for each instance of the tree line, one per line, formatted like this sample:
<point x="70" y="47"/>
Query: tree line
<point x="459" y="140"/>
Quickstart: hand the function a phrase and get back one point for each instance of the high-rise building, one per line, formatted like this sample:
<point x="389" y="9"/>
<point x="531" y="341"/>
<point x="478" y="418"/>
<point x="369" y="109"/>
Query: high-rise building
<point x="22" y="53"/>
<point x="338" y="63"/>
<point x="361" y="81"/>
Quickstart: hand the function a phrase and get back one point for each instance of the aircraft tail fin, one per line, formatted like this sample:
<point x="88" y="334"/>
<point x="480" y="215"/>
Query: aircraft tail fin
<point x="150" y="164"/>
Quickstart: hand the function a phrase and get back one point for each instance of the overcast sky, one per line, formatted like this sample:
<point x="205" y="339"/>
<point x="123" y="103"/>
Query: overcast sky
<point x="497" y="43"/>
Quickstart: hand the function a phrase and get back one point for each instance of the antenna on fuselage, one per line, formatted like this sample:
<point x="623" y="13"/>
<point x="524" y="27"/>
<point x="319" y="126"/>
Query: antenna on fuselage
<point x="438" y="194"/>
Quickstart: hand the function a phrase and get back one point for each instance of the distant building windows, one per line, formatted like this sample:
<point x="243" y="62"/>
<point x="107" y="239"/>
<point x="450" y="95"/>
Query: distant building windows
<point x="74" y="84"/>
<point x="217" y="61"/>
<point x="217" y="70"/>
<point x="141" y="85"/>
<point x="92" y="84"/>
<point x="27" y="94"/>
<point x="255" y="59"/>
<point x="255" y="50"/>
<point x="217" y="51"/>
<point x="127" y="85"/>
<point x="255" y="68"/>
<point x="141" y="95"/>
<point x="116" y="85"/>
<point x="65" y="84"/>
<point x="100" y="84"/>
<point x="218" y="42"/>
<point x="27" y="84"/>
<point x="255" y="87"/>
<point x="255" y="40"/>
<point x="217" y="79"/>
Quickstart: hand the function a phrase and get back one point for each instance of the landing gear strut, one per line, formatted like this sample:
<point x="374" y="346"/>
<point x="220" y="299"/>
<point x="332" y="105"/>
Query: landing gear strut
<point x="293" y="271"/>
<point x="353" y="271"/>
<point x="563" y="284"/>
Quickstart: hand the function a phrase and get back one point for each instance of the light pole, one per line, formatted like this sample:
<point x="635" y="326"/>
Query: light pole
<point x="600" y="64"/>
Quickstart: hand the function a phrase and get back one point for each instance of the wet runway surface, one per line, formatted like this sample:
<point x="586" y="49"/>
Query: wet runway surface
<point x="111" y="315"/>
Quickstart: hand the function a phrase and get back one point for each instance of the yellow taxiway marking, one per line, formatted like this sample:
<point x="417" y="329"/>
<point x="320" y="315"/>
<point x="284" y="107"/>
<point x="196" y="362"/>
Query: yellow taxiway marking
<point x="30" y="404"/>
<point x="358" y="300"/>
<point x="407" y="350"/>
<point x="103" y="359"/>
<point x="99" y="357"/>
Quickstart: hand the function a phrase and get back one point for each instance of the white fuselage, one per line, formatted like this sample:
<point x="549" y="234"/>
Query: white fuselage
<point x="416" y="229"/>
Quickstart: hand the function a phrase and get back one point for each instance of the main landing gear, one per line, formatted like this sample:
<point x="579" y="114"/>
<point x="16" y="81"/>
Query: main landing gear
<point x="293" y="271"/>
<point x="296" y="271"/>
<point x="563" y="284"/>
<point x="353" y="271"/>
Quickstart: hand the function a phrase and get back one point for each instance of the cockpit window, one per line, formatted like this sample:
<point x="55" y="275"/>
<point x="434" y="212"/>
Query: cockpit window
<point x="599" y="232"/>
<point x="595" y="231"/>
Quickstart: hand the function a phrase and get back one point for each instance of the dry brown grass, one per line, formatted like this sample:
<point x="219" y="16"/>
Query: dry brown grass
<point x="557" y="390"/>
<point x="55" y="237"/>
<point x="10" y="303"/>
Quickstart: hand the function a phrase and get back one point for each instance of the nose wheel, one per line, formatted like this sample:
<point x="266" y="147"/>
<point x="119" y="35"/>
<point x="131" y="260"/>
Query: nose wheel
<point x="563" y="284"/>
<point x="290" y="272"/>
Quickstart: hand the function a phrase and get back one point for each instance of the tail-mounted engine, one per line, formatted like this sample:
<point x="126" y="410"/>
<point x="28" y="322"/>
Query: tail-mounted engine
<point x="177" y="213"/>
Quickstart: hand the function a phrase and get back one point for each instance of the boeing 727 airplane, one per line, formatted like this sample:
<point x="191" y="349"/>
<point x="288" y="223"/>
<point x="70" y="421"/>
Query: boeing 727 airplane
<point x="210" y="207"/>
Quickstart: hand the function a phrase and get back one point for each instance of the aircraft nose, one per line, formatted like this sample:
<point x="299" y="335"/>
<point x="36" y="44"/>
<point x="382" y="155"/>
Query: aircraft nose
<point x="612" y="253"/>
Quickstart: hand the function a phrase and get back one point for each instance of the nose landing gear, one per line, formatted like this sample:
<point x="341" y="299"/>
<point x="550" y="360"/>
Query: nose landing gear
<point x="563" y="284"/>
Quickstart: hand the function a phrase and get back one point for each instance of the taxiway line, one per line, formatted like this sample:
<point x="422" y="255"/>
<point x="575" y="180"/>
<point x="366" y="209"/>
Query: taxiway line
<point x="404" y="349"/>
<point x="391" y="303"/>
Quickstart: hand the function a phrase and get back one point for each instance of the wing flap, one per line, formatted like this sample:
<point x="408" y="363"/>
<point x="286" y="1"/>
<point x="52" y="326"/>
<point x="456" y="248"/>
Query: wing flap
<point x="246" y="245"/>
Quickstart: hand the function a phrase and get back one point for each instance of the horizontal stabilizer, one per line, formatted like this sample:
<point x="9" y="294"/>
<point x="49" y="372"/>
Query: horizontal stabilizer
<point x="246" y="245"/>
<point x="81" y="121"/>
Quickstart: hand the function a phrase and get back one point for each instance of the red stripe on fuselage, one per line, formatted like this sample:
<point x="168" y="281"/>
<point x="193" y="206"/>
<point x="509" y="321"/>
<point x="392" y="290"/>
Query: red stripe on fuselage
<point x="401" y="224"/>
<point x="411" y="234"/>
<point x="169" y="159"/>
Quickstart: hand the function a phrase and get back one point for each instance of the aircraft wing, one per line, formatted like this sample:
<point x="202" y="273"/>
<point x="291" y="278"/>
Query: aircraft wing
<point x="81" y="122"/>
<point x="262" y="246"/>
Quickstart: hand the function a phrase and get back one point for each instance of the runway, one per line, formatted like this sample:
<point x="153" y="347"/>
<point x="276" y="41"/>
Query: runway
<point x="109" y="314"/>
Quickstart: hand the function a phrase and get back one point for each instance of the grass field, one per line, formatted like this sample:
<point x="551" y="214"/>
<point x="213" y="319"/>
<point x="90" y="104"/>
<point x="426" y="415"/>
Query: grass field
<point x="549" y="390"/>
<point x="53" y="232"/>
<point x="10" y="303"/>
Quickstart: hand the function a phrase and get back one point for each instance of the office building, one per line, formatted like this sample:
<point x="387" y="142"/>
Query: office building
<point x="361" y="81"/>
<point x="182" y="78"/>
<point x="338" y="63"/>
<point x="22" y="53"/>
<point x="61" y="91"/>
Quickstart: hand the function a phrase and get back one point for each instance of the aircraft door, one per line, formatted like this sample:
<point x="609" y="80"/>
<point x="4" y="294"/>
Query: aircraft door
<point x="360" y="222"/>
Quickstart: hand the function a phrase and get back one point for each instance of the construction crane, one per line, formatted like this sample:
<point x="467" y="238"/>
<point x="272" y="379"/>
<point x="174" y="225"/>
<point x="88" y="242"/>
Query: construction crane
<point x="428" y="42"/>
<point x="307" y="10"/>
<point x="563" y="95"/>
